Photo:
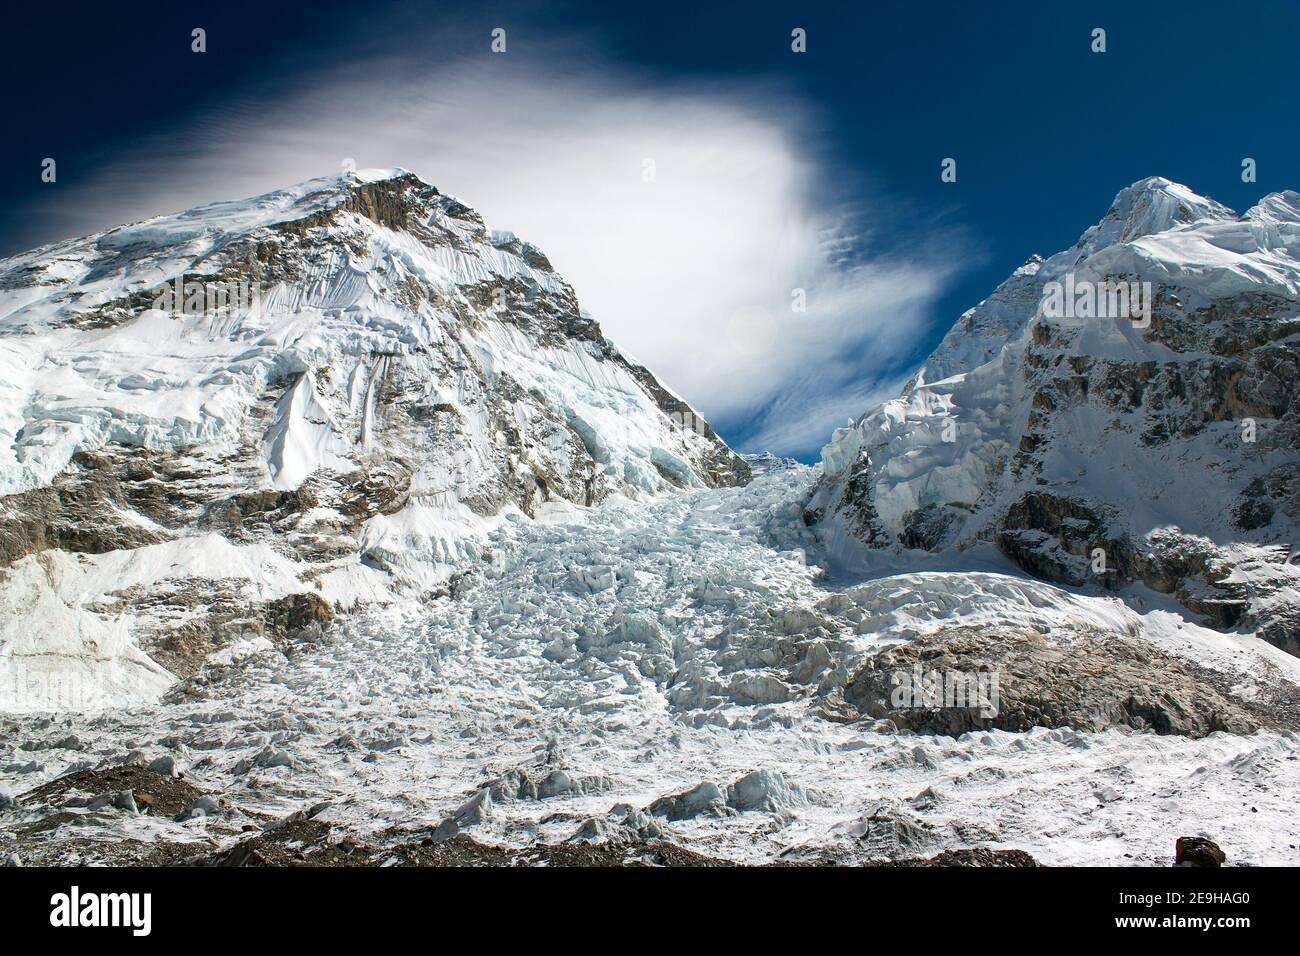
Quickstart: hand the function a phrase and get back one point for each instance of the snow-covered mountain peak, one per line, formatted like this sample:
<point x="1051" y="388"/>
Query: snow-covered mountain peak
<point x="353" y="374"/>
<point x="1157" y="228"/>
<point x="1164" y="437"/>
<point x="1150" y="205"/>
<point x="376" y="263"/>
<point x="60" y="282"/>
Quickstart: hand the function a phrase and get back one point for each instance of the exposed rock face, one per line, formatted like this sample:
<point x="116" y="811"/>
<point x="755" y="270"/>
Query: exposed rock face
<point x="404" y="379"/>
<point x="1086" y="681"/>
<point x="297" y="615"/>
<point x="69" y="516"/>
<point x="1159" y="446"/>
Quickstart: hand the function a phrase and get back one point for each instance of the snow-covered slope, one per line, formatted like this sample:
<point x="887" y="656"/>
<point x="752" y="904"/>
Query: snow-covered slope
<point x="386" y="379"/>
<point x="1160" y="448"/>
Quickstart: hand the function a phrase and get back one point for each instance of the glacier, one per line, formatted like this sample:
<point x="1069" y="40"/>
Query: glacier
<point x="689" y="668"/>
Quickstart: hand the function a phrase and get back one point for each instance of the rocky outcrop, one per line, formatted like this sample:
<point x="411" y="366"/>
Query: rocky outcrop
<point x="129" y="788"/>
<point x="1198" y="851"/>
<point x="1013" y="680"/>
<point x="89" y="508"/>
<point x="301" y="615"/>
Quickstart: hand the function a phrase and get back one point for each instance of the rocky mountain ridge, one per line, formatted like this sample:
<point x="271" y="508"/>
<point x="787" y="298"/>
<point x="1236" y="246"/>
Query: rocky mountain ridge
<point x="1157" y="451"/>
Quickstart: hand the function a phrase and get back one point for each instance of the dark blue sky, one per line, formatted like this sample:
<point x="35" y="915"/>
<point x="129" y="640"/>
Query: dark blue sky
<point x="1044" y="131"/>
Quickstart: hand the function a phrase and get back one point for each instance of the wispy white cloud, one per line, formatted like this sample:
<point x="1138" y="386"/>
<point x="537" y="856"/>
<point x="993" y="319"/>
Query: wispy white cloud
<point x="805" y="415"/>
<point x="692" y="271"/>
